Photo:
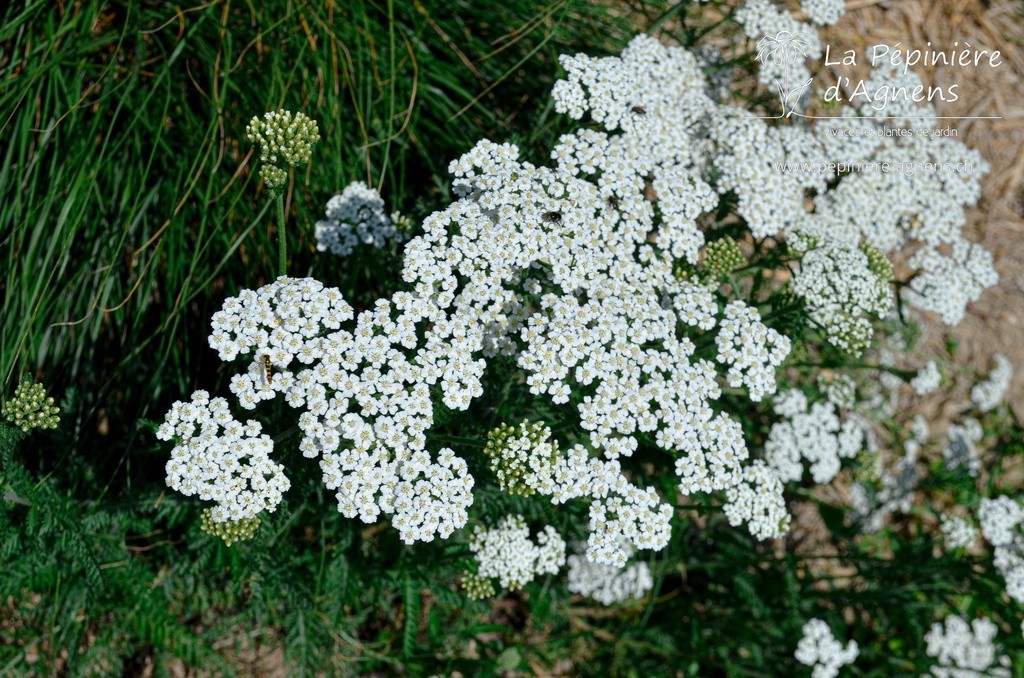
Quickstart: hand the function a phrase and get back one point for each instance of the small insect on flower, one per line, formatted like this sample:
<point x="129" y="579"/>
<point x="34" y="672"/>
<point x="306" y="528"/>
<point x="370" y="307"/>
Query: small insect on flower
<point x="614" y="202"/>
<point x="552" y="217"/>
<point x="639" y="110"/>
<point x="266" y="367"/>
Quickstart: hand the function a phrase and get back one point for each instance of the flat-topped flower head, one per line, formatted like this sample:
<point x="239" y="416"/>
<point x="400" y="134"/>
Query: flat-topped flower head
<point x="606" y="583"/>
<point x="507" y="553"/>
<point x="357" y="216"/>
<point x="523" y="459"/>
<point x="961" y="649"/>
<point x="958" y="531"/>
<point x="222" y="460"/>
<point x="820" y="649"/>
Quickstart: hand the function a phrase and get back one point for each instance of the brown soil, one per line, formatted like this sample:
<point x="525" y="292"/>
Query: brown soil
<point x="995" y="323"/>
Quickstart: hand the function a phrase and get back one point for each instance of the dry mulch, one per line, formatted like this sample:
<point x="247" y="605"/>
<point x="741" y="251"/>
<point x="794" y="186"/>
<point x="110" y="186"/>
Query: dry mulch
<point x="995" y="323"/>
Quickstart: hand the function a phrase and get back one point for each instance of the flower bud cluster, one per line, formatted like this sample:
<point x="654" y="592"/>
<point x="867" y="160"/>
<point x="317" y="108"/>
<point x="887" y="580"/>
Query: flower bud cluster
<point x="285" y="139"/>
<point x="477" y="587"/>
<point x="357" y="216"/>
<point x="721" y="257"/>
<point x="842" y="290"/>
<point x="31" y="408"/>
<point x="505" y="552"/>
<point x="524" y="459"/>
<point x="230" y="530"/>
<point x="820" y="649"/>
<point x="964" y="650"/>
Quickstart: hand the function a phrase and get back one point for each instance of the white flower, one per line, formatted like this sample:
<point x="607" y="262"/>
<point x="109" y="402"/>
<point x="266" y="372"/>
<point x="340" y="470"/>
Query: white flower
<point x="815" y="435"/>
<point x="986" y="395"/>
<point x="820" y="649"/>
<point x="842" y="290"/>
<point x="959" y="533"/>
<point x="966" y="651"/>
<point x="758" y="501"/>
<point x="607" y="583"/>
<point x="752" y="350"/>
<point x="220" y="460"/>
<point x="824" y="12"/>
<point x="927" y="379"/>
<point x="507" y="553"/>
<point x="355" y="216"/>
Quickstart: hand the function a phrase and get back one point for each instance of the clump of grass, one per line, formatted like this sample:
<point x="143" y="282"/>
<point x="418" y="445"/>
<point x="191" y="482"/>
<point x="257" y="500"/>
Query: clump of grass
<point x="129" y="209"/>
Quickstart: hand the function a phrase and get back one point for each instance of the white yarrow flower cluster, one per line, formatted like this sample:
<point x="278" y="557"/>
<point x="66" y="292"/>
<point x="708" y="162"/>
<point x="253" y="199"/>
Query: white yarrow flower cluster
<point x="527" y="462"/>
<point x="840" y="390"/>
<point x="745" y="148"/>
<point x="949" y="283"/>
<point x="752" y="350"/>
<point x="758" y="501"/>
<point x="890" y="210"/>
<point x="964" y="650"/>
<point x="960" y="450"/>
<point x="986" y="395"/>
<point x="616" y="320"/>
<point x="820" y="649"/>
<point x="958" y="531"/>
<point x="927" y="380"/>
<point x="222" y="460"/>
<point x="842" y="289"/>
<point x="762" y="17"/>
<point x="355" y="216"/>
<point x="814" y="434"/>
<point x="367" y="404"/>
<point x="608" y="584"/>
<point x="1000" y="520"/>
<point x="824" y="12"/>
<point x="505" y="552"/>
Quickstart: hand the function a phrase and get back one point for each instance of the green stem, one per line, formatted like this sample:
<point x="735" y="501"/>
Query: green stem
<point x="456" y="440"/>
<point x="283" y="264"/>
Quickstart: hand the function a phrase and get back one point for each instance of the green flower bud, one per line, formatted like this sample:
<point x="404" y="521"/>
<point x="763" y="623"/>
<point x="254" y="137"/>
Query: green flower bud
<point x="521" y="459"/>
<point x="285" y="139"/>
<point x="477" y="587"/>
<point x="231" y="530"/>
<point x="721" y="257"/>
<point x="31" y="408"/>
